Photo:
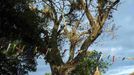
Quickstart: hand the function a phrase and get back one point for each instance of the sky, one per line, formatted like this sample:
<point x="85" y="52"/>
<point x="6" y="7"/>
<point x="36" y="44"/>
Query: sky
<point x="124" y="41"/>
<point x="122" y="45"/>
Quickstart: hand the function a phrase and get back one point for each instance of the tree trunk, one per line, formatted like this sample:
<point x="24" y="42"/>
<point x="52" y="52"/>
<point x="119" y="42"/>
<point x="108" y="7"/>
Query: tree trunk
<point x="54" y="70"/>
<point x="65" y="69"/>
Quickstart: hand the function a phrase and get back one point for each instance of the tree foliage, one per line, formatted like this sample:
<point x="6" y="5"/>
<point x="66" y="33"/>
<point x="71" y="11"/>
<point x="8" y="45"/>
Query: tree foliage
<point x="15" y="61"/>
<point x="89" y="63"/>
<point x="18" y="28"/>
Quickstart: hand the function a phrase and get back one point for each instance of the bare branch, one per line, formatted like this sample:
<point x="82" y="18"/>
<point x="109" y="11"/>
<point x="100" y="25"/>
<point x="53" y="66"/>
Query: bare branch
<point x="107" y="11"/>
<point x="89" y="15"/>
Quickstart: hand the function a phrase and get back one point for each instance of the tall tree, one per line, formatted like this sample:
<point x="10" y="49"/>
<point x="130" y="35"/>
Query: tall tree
<point x="77" y="23"/>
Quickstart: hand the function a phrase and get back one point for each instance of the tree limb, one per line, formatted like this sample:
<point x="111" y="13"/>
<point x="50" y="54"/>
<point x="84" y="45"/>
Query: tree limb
<point x="96" y="27"/>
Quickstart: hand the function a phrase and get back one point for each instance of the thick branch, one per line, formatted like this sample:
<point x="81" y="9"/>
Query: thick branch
<point x="96" y="28"/>
<point x="90" y="39"/>
<point x="54" y="10"/>
<point x="89" y="16"/>
<point x="71" y="53"/>
<point x="54" y="56"/>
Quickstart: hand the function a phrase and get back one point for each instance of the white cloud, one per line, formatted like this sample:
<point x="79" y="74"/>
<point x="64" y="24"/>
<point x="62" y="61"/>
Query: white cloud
<point x="125" y="70"/>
